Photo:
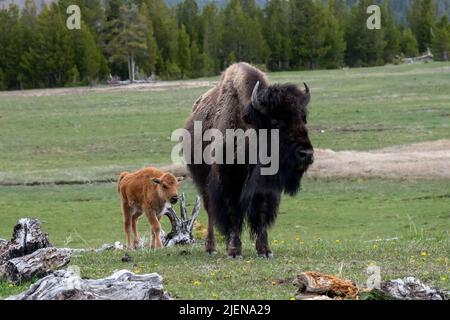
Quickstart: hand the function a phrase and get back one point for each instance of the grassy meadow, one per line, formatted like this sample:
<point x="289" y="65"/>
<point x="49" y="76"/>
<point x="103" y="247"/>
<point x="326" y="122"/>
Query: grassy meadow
<point x="329" y="227"/>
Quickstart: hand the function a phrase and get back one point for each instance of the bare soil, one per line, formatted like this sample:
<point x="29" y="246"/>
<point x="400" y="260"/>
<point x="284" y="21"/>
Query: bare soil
<point x="152" y="86"/>
<point x="428" y="160"/>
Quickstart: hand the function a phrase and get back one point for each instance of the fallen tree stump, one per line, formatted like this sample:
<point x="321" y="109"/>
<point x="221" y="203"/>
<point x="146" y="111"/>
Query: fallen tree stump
<point x="318" y="286"/>
<point x="27" y="238"/>
<point x="182" y="227"/>
<point x="410" y="288"/>
<point x="122" y="285"/>
<point x="37" y="264"/>
<point x="29" y="254"/>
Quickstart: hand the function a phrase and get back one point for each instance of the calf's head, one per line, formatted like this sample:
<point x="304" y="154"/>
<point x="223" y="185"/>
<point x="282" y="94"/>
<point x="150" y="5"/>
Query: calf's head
<point x="284" y="107"/>
<point x="167" y="186"/>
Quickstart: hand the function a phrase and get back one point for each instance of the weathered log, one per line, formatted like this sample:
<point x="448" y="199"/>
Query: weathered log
<point x="3" y="244"/>
<point x="182" y="228"/>
<point x="37" y="264"/>
<point x="410" y="288"/>
<point x="319" y="286"/>
<point x="122" y="285"/>
<point x="27" y="238"/>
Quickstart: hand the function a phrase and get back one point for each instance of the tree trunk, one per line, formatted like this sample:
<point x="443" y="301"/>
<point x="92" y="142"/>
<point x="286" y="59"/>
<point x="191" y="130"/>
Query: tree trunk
<point x="132" y="67"/>
<point x="27" y="238"/>
<point x="129" y="68"/>
<point x="29" y="253"/>
<point x="37" y="264"/>
<point x="122" y="285"/>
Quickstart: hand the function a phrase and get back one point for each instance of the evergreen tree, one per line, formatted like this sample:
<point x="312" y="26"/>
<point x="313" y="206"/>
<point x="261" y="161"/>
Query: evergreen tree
<point x="392" y="34"/>
<point x="408" y="44"/>
<point x="128" y="38"/>
<point x="212" y="30"/>
<point x="187" y="13"/>
<point x="148" y="60"/>
<point x="87" y="55"/>
<point x="165" y="32"/>
<point x="334" y="37"/>
<point x="276" y="34"/>
<point x="308" y="33"/>
<point x="50" y="61"/>
<point x="364" y="47"/>
<point x="421" y="19"/>
<point x="441" y="40"/>
<point x="184" y="54"/>
<point x="242" y="34"/>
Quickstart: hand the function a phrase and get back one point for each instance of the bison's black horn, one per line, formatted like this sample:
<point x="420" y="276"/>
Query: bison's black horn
<point x="306" y="87"/>
<point x="255" y="102"/>
<point x="307" y="94"/>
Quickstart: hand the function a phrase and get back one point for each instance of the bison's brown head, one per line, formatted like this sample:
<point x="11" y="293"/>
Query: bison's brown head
<point x="284" y="107"/>
<point x="167" y="186"/>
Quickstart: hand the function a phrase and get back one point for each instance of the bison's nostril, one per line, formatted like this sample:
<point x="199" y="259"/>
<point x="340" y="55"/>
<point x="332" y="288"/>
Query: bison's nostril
<point x="306" y="155"/>
<point x="173" y="200"/>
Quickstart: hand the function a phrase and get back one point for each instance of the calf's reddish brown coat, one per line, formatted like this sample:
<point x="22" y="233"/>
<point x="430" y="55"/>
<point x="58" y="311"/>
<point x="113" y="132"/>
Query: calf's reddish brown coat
<point x="145" y="191"/>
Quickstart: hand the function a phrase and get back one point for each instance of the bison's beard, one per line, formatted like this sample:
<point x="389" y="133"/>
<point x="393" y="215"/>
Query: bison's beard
<point x="291" y="180"/>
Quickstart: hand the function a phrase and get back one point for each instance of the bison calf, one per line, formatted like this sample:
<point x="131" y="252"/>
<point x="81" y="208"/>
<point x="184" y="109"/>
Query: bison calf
<point x="146" y="191"/>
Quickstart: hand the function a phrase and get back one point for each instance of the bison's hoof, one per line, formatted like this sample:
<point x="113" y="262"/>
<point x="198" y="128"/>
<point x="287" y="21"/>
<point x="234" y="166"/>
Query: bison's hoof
<point x="211" y="252"/>
<point x="266" y="255"/>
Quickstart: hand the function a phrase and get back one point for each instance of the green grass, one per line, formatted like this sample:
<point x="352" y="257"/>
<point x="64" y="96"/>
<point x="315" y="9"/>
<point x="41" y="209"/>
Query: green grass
<point x="329" y="227"/>
<point x="96" y="135"/>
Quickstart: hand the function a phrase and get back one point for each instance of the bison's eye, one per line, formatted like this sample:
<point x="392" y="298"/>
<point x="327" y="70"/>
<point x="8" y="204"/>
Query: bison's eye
<point x="275" y="123"/>
<point x="165" y="187"/>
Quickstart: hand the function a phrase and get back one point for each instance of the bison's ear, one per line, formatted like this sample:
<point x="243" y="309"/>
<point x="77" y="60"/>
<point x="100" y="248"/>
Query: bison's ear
<point x="180" y="179"/>
<point x="156" y="180"/>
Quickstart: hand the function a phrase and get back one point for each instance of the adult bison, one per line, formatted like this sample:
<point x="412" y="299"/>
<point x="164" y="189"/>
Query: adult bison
<point x="234" y="192"/>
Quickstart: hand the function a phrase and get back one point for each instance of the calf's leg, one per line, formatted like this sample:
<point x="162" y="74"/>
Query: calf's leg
<point x="134" y="221"/>
<point x="155" y="228"/>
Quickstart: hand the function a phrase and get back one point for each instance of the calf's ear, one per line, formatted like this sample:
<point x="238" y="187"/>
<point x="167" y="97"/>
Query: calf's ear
<point x="180" y="179"/>
<point x="156" y="180"/>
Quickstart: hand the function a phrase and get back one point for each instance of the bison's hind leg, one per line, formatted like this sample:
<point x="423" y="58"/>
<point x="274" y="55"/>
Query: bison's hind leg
<point x="210" y="243"/>
<point x="224" y="212"/>
<point x="261" y="215"/>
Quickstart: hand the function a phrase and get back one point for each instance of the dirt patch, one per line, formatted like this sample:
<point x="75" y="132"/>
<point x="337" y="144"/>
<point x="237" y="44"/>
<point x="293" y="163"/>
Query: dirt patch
<point x="154" y="86"/>
<point x="429" y="160"/>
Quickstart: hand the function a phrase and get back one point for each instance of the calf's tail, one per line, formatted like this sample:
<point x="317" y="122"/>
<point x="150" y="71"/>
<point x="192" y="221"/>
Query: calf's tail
<point x="121" y="176"/>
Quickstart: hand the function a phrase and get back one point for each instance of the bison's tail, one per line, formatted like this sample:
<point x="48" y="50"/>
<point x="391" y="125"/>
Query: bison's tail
<point x="121" y="176"/>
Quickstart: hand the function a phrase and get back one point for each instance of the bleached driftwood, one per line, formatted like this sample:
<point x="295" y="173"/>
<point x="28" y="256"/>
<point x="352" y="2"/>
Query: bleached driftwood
<point x="29" y="254"/>
<point x="410" y="288"/>
<point x="27" y="238"/>
<point x="38" y="264"/>
<point x="122" y="285"/>
<point x="182" y="226"/>
<point x="3" y="243"/>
